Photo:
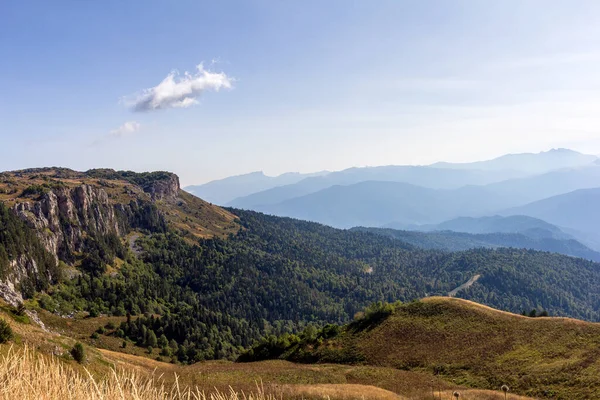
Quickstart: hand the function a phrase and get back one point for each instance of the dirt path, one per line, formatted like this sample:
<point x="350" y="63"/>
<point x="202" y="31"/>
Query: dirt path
<point x="465" y="285"/>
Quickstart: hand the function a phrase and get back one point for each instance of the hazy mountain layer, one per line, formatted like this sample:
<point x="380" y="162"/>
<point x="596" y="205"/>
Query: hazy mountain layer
<point x="529" y="226"/>
<point x="458" y="241"/>
<point x="379" y="203"/>
<point x="578" y="211"/>
<point x="428" y="177"/>
<point x="452" y="176"/>
<point x="222" y="191"/>
<point x="533" y="163"/>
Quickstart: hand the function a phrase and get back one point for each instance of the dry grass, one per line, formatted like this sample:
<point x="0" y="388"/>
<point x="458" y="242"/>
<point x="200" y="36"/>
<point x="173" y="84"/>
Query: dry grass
<point x="341" y="392"/>
<point x="283" y="379"/>
<point x="472" y="394"/>
<point x="26" y="375"/>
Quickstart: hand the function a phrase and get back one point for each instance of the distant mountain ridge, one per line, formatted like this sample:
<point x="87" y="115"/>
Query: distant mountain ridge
<point x="375" y="203"/>
<point x="521" y="224"/>
<point x="222" y="191"/>
<point x="533" y="163"/>
<point x="405" y="196"/>
<point x="549" y="184"/>
<point x="556" y="171"/>
<point x="578" y="211"/>
<point x="427" y="177"/>
<point x="459" y="241"/>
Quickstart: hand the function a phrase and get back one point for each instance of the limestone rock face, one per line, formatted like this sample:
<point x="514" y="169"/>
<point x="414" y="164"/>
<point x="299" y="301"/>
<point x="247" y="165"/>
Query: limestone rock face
<point x="62" y="217"/>
<point x="164" y="189"/>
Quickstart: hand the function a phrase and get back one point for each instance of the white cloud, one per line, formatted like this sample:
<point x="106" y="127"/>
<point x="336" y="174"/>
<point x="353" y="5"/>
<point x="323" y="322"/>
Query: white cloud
<point x="127" y="128"/>
<point x="179" y="91"/>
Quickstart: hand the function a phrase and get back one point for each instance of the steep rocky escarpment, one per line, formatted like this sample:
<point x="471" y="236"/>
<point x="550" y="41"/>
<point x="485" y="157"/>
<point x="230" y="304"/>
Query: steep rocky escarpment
<point x="62" y="217"/>
<point x="71" y="217"/>
<point x="65" y="217"/>
<point x="25" y="265"/>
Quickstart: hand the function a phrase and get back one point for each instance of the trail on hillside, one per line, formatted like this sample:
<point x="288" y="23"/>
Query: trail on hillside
<point x="465" y="285"/>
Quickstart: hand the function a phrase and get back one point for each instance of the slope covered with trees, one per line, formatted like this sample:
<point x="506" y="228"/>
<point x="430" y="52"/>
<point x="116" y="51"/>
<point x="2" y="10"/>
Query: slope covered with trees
<point x="19" y="242"/>
<point x="278" y="275"/>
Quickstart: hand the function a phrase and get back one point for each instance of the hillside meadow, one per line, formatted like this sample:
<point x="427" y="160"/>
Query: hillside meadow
<point x="462" y="342"/>
<point x="37" y="364"/>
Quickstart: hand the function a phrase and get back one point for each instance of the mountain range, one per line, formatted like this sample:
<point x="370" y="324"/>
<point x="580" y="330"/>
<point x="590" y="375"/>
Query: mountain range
<point x="225" y="190"/>
<point x="459" y="241"/>
<point x="557" y="186"/>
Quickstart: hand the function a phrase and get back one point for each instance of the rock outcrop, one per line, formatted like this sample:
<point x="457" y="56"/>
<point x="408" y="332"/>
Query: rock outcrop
<point x="62" y="217"/>
<point x="164" y="189"/>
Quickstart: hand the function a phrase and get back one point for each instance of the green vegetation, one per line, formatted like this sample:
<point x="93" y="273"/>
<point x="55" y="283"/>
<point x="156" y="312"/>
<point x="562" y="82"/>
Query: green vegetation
<point x="194" y="297"/>
<point x="141" y="179"/>
<point x="18" y="241"/>
<point x="6" y="332"/>
<point x="309" y="274"/>
<point x="78" y="353"/>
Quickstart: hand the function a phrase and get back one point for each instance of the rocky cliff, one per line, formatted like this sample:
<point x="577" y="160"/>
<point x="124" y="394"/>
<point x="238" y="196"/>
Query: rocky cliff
<point x="62" y="217"/>
<point x="164" y="189"/>
<point x="60" y="210"/>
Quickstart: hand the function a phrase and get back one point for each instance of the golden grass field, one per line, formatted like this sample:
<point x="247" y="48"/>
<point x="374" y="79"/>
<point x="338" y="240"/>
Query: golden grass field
<point x="28" y="375"/>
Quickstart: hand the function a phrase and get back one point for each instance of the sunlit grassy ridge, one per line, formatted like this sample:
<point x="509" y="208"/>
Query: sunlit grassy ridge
<point x="472" y="345"/>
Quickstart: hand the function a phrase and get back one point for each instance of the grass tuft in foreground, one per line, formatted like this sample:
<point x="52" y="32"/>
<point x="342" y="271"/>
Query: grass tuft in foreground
<point x="29" y="376"/>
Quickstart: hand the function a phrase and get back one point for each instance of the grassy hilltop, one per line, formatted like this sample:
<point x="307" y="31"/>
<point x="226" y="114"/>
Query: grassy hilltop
<point x="463" y="342"/>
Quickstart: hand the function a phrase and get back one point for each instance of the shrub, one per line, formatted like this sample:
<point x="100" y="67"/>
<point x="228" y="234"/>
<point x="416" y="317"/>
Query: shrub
<point x="6" y="332"/>
<point x="78" y="353"/>
<point x="166" y="352"/>
<point x="35" y="190"/>
<point x="47" y="303"/>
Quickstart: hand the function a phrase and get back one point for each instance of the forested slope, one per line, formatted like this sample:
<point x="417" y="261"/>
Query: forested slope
<point x="276" y="275"/>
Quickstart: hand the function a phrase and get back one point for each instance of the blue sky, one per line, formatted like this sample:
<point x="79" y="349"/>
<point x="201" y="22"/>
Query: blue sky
<point x="293" y="86"/>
